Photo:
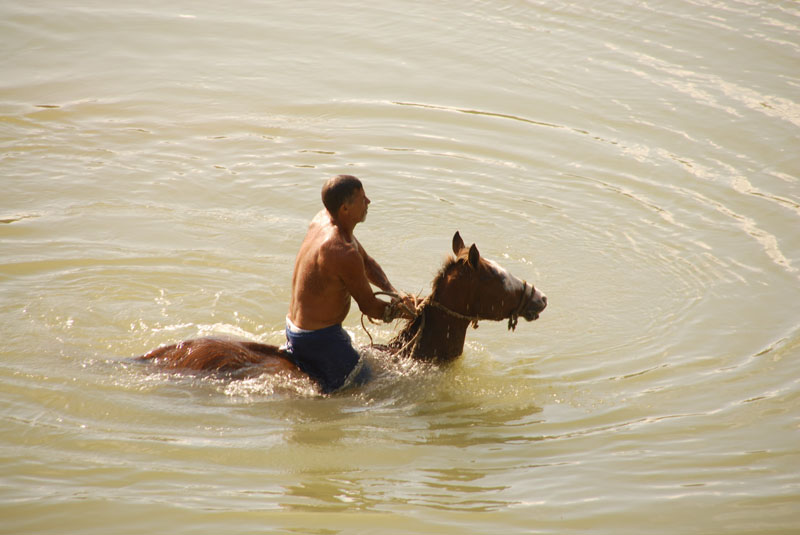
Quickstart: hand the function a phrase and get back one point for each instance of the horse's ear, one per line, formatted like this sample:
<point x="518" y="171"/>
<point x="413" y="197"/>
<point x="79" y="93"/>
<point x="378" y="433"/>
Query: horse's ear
<point x="474" y="257"/>
<point x="458" y="243"/>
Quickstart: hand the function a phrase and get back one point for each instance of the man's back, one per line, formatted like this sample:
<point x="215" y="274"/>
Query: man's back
<point x="319" y="296"/>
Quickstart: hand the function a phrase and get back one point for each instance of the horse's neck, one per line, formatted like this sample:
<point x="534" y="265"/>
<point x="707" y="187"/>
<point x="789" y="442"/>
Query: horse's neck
<point x="442" y="337"/>
<point x="436" y="335"/>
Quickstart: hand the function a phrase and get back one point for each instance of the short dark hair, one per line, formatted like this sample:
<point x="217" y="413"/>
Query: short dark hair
<point x="339" y="190"/>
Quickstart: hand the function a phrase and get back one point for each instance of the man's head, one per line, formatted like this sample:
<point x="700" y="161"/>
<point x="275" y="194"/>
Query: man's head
<point x="342" y="190"/>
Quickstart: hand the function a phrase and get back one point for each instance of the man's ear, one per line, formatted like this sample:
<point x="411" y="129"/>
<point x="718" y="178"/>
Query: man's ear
<point x="344" y="209"/>
<point x="474" y="257"/>
<point x="458" y="243"/>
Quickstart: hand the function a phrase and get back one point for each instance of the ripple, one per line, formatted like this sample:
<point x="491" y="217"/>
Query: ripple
<point x="636" y="162"/>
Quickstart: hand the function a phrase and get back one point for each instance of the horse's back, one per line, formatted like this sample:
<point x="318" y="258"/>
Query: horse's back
<point x="219" y="355"/>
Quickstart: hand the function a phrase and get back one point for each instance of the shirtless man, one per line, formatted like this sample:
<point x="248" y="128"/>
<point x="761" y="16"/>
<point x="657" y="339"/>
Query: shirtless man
<point x="330" y="268"/>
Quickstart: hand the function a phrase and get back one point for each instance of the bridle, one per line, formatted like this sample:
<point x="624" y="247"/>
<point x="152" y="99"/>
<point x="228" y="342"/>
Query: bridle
<point x="524" y="301"/>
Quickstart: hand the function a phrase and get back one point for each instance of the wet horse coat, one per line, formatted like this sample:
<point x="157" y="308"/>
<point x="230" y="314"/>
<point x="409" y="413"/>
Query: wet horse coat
<point x="468" y="289"/>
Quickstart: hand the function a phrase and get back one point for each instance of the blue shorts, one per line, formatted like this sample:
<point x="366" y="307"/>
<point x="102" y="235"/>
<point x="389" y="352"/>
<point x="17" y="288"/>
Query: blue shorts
<point x="326" y="355"/>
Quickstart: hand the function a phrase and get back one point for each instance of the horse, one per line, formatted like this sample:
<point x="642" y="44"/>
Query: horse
<point x="467" y="289"/>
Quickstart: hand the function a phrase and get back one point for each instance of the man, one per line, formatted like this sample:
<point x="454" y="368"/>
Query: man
<point x="330" y="268"/>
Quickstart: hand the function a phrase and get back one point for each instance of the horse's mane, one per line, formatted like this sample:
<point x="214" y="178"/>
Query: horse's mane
<point x="449" y="262"/>
<point x="412" y="326"/>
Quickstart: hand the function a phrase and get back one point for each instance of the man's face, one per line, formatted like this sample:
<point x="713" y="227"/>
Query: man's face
<point x="358" y="205"/>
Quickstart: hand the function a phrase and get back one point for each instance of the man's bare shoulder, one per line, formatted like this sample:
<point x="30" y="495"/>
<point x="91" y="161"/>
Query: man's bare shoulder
<point x="337" y="255"/>
<point x="322" y="218"/>
<point x="338" y="249"/>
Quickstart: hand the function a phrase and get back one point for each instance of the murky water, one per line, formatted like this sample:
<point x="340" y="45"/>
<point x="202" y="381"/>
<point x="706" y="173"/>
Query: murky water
<point x="637" y="161"/>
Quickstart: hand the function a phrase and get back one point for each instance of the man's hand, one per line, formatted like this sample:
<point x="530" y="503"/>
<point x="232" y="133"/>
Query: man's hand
<point x="403" y="306"/>
<point x="410" y="303"/>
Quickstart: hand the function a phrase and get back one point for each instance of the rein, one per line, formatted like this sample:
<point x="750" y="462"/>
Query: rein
<point x="396" y="302"/>
<point x="472" y="319"/>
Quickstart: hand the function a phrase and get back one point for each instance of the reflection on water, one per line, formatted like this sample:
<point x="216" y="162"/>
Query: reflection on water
<point x="638" y="162"/>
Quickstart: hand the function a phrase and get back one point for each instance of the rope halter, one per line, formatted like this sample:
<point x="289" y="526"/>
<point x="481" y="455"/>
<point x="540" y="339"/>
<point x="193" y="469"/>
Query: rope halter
<point x="524" y="301"/>
<point x="396" y="304"/>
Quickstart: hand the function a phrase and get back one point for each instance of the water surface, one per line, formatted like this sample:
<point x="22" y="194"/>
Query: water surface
<point x="637" y="161"/>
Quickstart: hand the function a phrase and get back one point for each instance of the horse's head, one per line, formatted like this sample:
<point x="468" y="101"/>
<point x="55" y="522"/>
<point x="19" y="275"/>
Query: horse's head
<point x="482" y="289"/>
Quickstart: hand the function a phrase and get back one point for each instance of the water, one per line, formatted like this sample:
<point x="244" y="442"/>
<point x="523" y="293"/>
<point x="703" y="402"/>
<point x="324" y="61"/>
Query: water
<point x="637" y="161"/>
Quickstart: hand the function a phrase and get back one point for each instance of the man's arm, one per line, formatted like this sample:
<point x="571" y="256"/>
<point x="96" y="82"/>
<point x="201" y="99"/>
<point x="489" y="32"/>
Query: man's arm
<point x="356" y="276"/>
<point x="376" y="276"/>
<point x="374" y="272"/>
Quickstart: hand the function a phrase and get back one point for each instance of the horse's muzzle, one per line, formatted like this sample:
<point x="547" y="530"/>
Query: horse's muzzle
<point x="537" y="304"/>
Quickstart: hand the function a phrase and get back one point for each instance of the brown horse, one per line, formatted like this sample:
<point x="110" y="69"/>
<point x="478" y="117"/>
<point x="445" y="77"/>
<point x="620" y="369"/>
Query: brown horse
<point x="468" y="289"/>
